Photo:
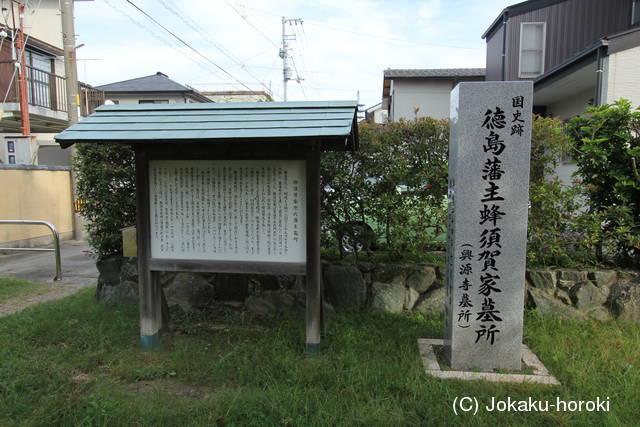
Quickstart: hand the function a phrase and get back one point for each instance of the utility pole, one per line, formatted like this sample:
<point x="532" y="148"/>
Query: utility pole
<point x="73" y="100"/>
<point x="20" y="41"/>
<point x="70" y="68"/>
<point x="284" y="52"/>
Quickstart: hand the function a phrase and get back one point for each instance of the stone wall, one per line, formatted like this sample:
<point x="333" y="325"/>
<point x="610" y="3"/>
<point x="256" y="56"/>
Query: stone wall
<point x="578" y="294"/>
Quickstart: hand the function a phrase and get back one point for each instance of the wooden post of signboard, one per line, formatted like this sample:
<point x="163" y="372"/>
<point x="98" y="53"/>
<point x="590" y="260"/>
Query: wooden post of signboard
<point x="149" y="286"/>
<point x="313" y="311"/>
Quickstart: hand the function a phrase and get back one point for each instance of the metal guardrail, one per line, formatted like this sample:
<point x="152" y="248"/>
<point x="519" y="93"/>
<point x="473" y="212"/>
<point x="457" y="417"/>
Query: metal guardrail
<point x="56" y="241"/>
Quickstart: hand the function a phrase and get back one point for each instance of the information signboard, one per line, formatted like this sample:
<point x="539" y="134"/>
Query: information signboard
<point x="228" y="210"/>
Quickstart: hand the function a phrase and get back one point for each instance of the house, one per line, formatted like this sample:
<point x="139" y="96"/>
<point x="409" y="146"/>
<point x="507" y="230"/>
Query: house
<point x="157" y="88"/>
<point x="577" y="52"/>
<point x="239" y="96"/>
<point x="412" y="93"/>
<point x="376" y="114"/>
<point x="45" y="82"/>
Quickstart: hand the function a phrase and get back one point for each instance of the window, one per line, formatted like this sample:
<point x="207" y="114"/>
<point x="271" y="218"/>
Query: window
<point x="39" y="78"/>
<point x="635" y="12"/>
<point x="532" y="41"/>
<point x="153" y="101"/>
<point x="11" y="148"/>
<point x="12" y="160"/>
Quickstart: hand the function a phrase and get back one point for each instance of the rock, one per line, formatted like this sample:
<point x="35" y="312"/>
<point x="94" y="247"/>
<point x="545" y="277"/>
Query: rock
<point x="387" y="297"/>
<point x="345" y="287"/>
<point x="627" y="276"/>
<point x="441" y="276"/>
<point x="603" y="278"/>
<point x="389" y="273"/>
<point x="586" y="294"/>
<point x="599" y="313"/>
<point x="269" y="303"/>
<point x="190" y="291"/>
<point x="563" y="296"/>
<point x="432" y="302"/>
<point x="546" y="304"/>
<point x="267" y="281"/>
<point x="109" y="270"/>
<point x="366" y="267"/>
<point x="421" y="279"/>
<point x="129" y="270"/>
<point x="566" y="285"/>
<point x="410" y="298"/>
<point x="166" y="278"/>
<point x="542" y="279"/>
<point x="624" y="301"/>
<point x="231" y="287"/>
<point x="572" y="275"/>
<point x="108" y="275"/>
<point x="122" y="293"/>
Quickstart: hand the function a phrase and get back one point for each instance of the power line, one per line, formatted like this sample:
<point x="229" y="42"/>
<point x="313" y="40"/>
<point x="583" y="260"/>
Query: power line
<point x="185" y="43"/>
<point x="194" y="25"/>
<point x="251" y="24"/>
<point x="160" y="38"/>
<point x="375" y="36"/>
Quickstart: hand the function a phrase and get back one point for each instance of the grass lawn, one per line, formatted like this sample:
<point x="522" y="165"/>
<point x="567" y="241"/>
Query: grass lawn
<point x="74" y="362"/>
<point x="16" y="290"/>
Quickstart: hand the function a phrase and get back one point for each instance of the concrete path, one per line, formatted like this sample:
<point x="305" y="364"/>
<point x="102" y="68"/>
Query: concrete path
<point x="78" y="272"/>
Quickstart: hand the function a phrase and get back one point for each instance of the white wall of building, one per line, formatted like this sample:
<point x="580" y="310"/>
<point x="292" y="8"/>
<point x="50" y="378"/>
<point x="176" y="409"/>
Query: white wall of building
<point x="431" y="98"/>
<point x="42" y="21"/>
<point x="623" y="76"/>
<point x="135" y="98"/>
<point x="572" y="106"/>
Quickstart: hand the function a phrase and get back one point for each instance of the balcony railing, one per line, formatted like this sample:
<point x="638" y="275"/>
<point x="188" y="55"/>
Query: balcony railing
<point x="47" y="90"/>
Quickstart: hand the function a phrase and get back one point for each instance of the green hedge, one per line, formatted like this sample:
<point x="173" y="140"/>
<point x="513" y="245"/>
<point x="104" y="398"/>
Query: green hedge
<point x="391" y="194"/>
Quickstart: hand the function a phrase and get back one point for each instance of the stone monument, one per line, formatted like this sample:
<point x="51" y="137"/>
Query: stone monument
<point x="489" y="155"/>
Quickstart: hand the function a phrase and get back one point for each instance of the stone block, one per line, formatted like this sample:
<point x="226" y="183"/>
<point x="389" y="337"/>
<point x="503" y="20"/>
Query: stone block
<point x="269" y="303"/>
<point x="387" y="297"/>
<point x="603" y="278"/>
<point x="546" y="304"/>
<point x="231" y="287"/>
<point x="432" y="302"/>
<point x="189" y="291"/>
<point x="586" y="294"/>
<point x="542" y="279"/>
<point x="421" y="279"/>
<point x="345" y="287"/>
<point x="410" y="298"/>
<point x="389" y="273"/>
<point x="572" y="275"/>
<point x="624" y="301"/>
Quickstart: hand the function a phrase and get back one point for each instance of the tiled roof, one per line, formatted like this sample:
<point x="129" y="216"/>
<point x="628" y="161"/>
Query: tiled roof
<point x="154" y="83"/>
<point x="333" y="122"/>
<point x="435" y="72"/>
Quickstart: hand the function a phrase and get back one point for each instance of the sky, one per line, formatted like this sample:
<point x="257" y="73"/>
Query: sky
<point x="340" y="50"/>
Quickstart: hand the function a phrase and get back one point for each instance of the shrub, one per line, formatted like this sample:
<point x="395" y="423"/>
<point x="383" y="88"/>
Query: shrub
<point x="553" y="238"/>
<point x="607" y="146"/>
<point x="395" y="184"/>
<point x="106" y="182"/>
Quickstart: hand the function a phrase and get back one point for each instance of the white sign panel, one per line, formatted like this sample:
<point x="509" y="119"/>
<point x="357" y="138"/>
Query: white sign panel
<point x="231" y="210"/>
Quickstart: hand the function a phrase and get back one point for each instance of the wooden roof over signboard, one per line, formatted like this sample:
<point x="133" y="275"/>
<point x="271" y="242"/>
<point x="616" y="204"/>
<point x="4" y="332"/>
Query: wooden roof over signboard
<point x="333" y="123"/>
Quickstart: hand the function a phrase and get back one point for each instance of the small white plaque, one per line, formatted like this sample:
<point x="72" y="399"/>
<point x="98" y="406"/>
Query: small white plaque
<point x="228" y="210"/>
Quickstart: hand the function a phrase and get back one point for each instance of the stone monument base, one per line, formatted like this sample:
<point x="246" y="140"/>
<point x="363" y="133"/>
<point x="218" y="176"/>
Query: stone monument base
<point x="432" y="367"/>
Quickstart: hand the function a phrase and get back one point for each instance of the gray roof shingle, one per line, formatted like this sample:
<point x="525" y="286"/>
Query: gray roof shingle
<point x="154" y="83"/>
<point x="333" y="122"/>
<point x="435" y="72"/>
